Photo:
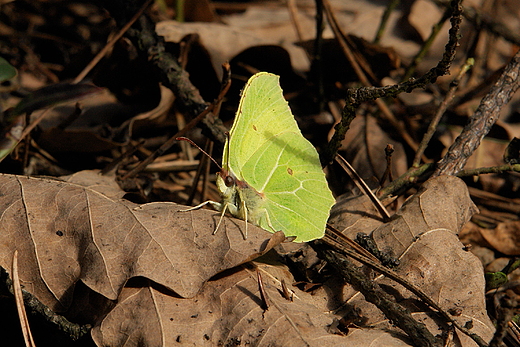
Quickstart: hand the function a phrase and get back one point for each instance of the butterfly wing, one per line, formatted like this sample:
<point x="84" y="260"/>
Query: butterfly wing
<point x="268" y="151"/>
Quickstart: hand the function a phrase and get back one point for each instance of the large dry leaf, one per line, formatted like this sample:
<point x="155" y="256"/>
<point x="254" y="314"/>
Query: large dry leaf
<point x="228" y="311"/>
<point x="65" y="232"/>
<point x="424" y="236"/>
<point x="68" y="232"/>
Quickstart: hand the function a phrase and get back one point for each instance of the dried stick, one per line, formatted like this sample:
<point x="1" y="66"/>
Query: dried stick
<point x="371" y="291"/>
<point x="173" y="76"/>
<point x="18" y="296"/>
<point x="363" y="187"/>
<point x="110" y="44"/>
<point x="349" y="54"/>
<point x="440" y="112"/>
<point x="356" y="96"/>
<point x="426" y="45"/>
<point x="480" y="20"/>
<point x="482" y="120"/>
<point x="384" y="19"/>
<point x="169" y="143"/>
<point x="73" y="330"/>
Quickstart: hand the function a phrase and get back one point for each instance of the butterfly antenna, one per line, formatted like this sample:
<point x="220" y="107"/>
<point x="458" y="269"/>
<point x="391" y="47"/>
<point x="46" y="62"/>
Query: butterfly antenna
<point x="227" y="149"/>
<point x="200" y="149"/>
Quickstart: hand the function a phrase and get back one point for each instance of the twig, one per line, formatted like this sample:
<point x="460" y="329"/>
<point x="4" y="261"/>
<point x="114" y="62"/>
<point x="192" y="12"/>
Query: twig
<point x="202" y="171"/>
<point x="373" y="293"/>
<point x="72" y="330"/>
<point x="167" y="145"/>
<point x="440" y="112"/>
<point x="384" y="19"/>
<point x="389" y="150"/>
<point x="356" y="96"/>
<point x="410" y="177"/>
<point x="482" y="21"/>
<point x="338" y="259"/>
<point x="426" y="45"/>
<point x="110" y="44"/>
<point x="482" y="120"/>
<point x="489" y="170"/>
<point x="151" y="46"/>
<point x="293" y="12"/>
<point x="20" y="307"/>
<point x="317" y="60"/>
<point x="505" y="307"/>
<point x="345" y="46"/>
<point x="360" y="183"/>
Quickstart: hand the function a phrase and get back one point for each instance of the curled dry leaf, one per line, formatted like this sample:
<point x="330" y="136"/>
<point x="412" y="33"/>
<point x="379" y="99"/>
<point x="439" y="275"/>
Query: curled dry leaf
<point x="65" y="232"/>
<point x="424" y="236"/>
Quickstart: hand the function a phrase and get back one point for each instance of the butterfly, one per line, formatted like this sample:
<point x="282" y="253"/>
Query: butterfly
<point x="271" y="175"/>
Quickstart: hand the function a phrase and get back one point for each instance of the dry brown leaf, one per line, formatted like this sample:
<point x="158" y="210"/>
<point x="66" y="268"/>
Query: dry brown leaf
<point x="424" y="236"/>
<point x="227" y="311"/>
<point x="224" y="42"/>
<point x="65" y="233"/>
<point x="505" y="238"/>
<point x="364" y="148"/>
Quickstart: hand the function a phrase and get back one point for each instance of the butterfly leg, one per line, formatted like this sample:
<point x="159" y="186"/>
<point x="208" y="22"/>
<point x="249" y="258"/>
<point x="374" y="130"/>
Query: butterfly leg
<point x="216" y="205"/>
<point x="224" y="207"/>
<point x="243" y="205"/>
<point x="269" y="221"/>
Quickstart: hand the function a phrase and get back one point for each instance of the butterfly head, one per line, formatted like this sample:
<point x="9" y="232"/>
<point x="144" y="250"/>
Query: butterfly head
<point x="226" y="184"/>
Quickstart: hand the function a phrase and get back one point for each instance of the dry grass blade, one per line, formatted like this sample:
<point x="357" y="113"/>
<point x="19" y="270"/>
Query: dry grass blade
<point x="363" y="186"/>
<point x="18" y="296"/>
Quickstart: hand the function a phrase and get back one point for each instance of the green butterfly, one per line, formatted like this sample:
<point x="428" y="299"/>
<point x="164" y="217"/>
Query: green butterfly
<point x="271" y="174"/>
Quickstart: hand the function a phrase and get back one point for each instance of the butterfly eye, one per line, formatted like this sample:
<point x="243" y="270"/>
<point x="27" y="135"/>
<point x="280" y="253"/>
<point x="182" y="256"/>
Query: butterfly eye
<point x="229" y="181"/>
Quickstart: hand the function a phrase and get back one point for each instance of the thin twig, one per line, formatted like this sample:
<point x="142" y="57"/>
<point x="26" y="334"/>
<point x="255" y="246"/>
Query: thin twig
<point x="399" y="279"/>
<point x="110" y="44"/>
<point x="482" y="120"/>
<point x="22" y="314"/>
<point x="440" y="112"/>
<point x="169" y="143"/>
<point x="384" y="19"/>
<point x="489" y="170"/>
<point x="426" y="45"/>
<point x="372" y="292"/>
<point x="293" y="12"/>
<point x="480" y="20"/>
<point x="356" y="96"/>
<point x="72" y="330"/>
<point x="409" y="178"/>
<point x="360" y="183"/>
<point x="385" y="110"/>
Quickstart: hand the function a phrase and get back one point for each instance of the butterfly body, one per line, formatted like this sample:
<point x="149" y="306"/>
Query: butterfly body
<point x="240" y="199"/>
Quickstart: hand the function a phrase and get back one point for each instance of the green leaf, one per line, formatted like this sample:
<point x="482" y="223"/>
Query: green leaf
<point x="276" y="171"/>
<point x="7" y="71"/>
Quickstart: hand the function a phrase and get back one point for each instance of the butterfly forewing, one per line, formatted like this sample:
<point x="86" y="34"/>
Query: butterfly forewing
<point x="268" y="151"/>
<point x="262" y="113"/>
